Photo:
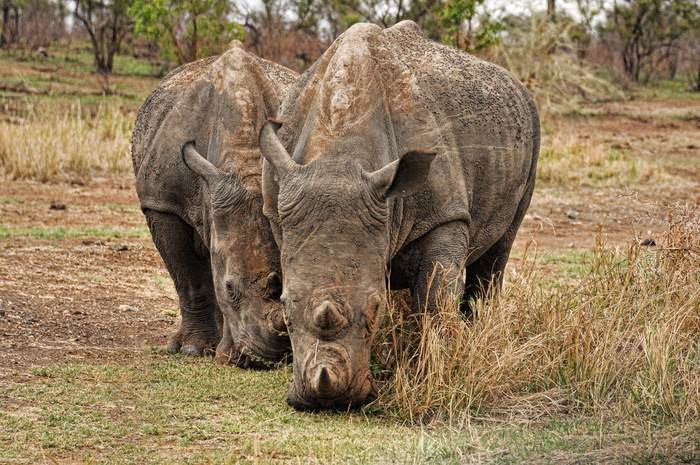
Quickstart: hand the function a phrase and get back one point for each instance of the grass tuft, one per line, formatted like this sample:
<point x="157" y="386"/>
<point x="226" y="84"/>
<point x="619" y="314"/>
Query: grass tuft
<point x="623" y="340"/>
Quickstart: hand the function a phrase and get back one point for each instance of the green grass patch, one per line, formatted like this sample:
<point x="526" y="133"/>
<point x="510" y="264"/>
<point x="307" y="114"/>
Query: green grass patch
<point x="12" y="201"/>
<point x="137" y="232"/>
<point x="69" y="71"/>
<point x="171" y="409"/>
<point x="161" y="280"/>
<point x="572" y="264"/>
<point x="674" y="90"/>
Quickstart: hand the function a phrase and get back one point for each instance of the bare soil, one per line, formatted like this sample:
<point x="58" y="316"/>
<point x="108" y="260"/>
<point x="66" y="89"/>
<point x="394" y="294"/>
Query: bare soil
<point x="100" y="300"/>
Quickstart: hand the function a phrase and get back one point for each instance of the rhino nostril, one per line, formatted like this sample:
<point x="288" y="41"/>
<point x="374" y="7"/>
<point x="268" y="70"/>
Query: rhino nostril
<point x="273" y="286"/>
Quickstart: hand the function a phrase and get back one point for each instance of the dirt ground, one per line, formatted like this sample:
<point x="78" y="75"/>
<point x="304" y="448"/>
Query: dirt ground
<point x="94" y="300"/>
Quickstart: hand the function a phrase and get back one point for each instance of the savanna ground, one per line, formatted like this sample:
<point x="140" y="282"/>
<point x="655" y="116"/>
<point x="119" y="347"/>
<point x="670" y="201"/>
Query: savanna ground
<point x="86" y="304"/>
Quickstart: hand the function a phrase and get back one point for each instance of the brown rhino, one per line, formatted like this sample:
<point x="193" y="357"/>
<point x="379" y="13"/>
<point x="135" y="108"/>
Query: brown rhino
<point x="396" y="154"/>
<point x="203" y="203"/>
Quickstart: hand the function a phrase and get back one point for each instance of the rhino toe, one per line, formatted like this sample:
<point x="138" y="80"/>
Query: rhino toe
<point x="192" y="345"/>
<point x="173" y="346"/>
<point x="192" y="350"/>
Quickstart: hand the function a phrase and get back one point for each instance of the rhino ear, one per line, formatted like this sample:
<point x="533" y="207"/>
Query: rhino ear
<point x="273" y="150"/>
<point x="405" y="176"/>
<point x="200" y="165"/>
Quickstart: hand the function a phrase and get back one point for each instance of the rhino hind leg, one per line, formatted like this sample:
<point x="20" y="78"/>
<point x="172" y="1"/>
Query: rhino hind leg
<point x="488" y="270"/>
<point x="485" y="273"/>
<point x="188" y="263"/>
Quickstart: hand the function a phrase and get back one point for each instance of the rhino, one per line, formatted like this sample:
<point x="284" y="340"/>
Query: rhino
<point x="391" y="156"/>
<point x="198" y="177"/>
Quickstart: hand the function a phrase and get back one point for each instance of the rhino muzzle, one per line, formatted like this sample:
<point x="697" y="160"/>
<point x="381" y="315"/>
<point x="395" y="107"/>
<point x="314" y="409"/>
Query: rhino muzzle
<point x="327" y="392"/>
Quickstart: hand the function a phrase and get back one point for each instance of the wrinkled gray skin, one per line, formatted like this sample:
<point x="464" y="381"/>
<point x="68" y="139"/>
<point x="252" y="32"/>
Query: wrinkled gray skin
<point x="405" y="154"/>
<point x="198" y="164"/>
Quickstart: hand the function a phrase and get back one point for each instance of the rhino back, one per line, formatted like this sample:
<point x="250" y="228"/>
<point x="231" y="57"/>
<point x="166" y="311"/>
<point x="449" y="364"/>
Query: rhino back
<point x="483" y="124"/>
<point x="387" y="92"/>
<point x="220" y="103"/>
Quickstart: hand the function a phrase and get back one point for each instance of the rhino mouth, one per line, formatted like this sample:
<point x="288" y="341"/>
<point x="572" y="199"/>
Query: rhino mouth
<point x="303" y="399"/>
<point x="247" y="358"/>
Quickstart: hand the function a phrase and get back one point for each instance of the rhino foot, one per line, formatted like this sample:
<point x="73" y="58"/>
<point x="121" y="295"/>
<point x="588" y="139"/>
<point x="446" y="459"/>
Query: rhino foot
<point x="194" y="345"/>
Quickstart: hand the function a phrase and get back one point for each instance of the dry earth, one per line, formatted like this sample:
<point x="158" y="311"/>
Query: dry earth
<point x="93" y="300"/>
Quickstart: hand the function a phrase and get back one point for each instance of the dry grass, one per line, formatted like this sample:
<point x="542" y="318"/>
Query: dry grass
<point x="42" y="141"/>
<point x="623" y="341"/>
<point x="569" y="160"/>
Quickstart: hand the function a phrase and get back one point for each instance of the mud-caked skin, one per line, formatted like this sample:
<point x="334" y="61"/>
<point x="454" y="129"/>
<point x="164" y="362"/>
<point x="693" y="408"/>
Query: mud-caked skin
<point x="396" y="155"/>
<point x="197" y="163"/>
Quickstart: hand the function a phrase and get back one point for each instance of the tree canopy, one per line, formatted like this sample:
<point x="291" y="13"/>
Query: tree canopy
<point x="186" y="29"/>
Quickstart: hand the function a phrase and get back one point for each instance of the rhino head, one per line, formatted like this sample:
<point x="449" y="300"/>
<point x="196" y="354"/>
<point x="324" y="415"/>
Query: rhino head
<point x="334" y="219"/>
<point x="245" y="268"/>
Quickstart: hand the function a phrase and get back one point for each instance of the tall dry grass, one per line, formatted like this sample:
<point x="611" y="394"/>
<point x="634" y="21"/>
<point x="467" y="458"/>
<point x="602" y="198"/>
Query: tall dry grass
<point x="624" y="340"/>
<point x="45" y="139"/>
<point x="570" y="160"/>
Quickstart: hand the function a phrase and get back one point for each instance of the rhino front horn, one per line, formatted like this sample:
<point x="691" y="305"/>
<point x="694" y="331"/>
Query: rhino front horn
<point x="327" y="316"/>
<point x="325" y="383"/>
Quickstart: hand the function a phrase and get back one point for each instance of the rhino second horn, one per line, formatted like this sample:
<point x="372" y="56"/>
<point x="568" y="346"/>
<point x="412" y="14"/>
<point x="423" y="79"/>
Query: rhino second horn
<point x="327" y="316"/>
<point x="324" y="382"/>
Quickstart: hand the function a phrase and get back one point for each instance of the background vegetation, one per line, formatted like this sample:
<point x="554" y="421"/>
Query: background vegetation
<point x="586" y="355"/>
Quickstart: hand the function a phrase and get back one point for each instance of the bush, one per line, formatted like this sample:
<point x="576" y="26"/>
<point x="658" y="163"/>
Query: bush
<point x="541" y="55"/>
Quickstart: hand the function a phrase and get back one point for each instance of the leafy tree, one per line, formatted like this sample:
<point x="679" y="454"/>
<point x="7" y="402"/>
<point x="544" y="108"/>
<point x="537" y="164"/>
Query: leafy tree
<point x="649" y="28"/>
<point x="107" y="23"/>
<point x="582" y="32"/>
<point x="466" y="29"/>
<point x="693" y="51"/>
<point x="186" y="29"/>
<point x="462" y="23"/>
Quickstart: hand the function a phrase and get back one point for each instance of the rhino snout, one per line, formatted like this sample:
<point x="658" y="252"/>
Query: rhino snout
<point x="327" y="392"/>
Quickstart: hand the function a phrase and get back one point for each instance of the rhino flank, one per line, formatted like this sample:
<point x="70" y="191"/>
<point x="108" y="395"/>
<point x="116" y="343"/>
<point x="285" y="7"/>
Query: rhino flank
<point x="405" y="155"/>
<point x="198" y="164"/>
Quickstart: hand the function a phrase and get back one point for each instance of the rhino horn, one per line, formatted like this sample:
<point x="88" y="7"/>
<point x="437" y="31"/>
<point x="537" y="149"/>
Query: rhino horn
<point x="273" y="150"/>
<point x="325" y="383"/>
<point x="327" y="316"/>
<point x="198" y="164"/>
<point x="405" y="176"/>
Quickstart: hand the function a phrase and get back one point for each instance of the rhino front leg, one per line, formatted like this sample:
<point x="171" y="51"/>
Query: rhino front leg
<point x="433" y="264"/>
<point x="188" y="263"/>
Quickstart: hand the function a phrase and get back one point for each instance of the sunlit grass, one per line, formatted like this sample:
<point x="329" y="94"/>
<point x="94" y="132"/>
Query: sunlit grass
<point x="570" y="161"/>
<point x="45" y="143"/>
<point x="161" y="408"/>
<point x="619" y="337"/>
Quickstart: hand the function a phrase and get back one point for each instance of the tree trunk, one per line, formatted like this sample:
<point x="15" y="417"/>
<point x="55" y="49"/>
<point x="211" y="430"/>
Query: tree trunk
<point x="15" y="32"/>
<point x="551" y="10"/>
<point x="193" y="45"/>
<point x="5" y="20"/>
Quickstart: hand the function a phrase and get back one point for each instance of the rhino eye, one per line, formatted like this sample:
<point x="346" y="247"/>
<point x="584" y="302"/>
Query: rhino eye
<point x="232" y="290"/>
